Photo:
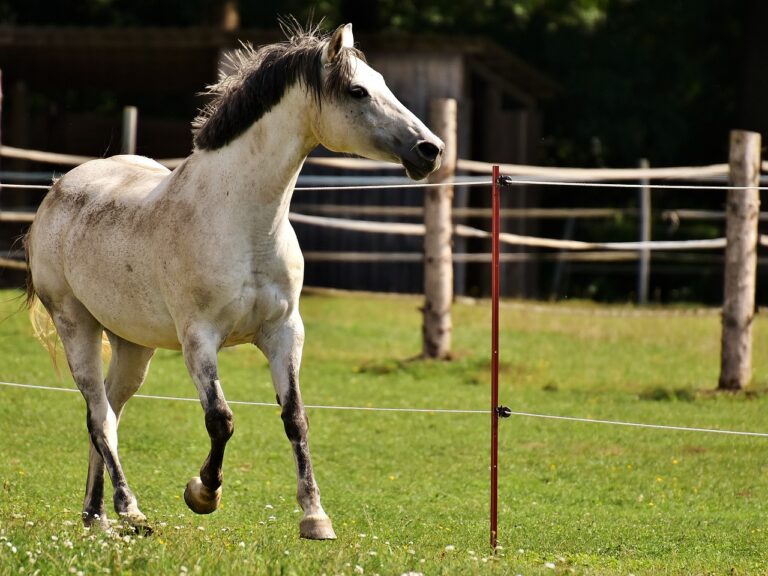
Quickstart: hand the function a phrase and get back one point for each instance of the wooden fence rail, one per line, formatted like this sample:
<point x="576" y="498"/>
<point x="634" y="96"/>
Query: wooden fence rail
<point x="742" y="215"/>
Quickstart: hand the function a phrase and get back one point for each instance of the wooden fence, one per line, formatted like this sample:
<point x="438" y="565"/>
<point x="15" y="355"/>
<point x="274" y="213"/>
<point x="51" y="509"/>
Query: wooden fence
<point x="439" y="230"/>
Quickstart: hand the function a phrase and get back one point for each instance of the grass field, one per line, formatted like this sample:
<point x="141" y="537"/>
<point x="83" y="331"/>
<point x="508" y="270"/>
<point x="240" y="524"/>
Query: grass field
<point x="409" y="492"/>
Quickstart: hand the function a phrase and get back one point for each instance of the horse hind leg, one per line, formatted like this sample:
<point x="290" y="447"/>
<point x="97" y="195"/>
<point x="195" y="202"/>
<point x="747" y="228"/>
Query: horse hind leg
<point x="127" y="370"/>
<point x="80" y="334"/>
<point x="200" y="347"/>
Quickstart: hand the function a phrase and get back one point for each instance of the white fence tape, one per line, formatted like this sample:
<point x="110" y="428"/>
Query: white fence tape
<point x="428" y="411"/>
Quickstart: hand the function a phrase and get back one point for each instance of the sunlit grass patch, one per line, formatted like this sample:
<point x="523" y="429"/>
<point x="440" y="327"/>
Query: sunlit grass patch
<point x="408" y="492"/>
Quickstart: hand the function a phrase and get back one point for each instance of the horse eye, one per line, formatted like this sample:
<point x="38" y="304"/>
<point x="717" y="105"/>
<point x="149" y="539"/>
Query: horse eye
<point x="358" y="92"/>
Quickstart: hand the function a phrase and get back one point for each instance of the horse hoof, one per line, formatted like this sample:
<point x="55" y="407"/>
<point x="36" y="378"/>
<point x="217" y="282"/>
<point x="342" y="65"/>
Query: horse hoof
<point x="316" y="528"/>
<point x="99" y="520"/>
<point x="134" y="523"/>
<point x="200" y="498"/>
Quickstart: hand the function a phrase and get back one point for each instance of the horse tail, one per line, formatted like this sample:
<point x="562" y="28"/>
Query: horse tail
<point x="44" y="330"/>
<point x="29" y="284"/>
<point x="42" y="325"/>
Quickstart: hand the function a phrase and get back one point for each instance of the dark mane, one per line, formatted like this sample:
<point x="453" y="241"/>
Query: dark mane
<point x="261" y="78"/>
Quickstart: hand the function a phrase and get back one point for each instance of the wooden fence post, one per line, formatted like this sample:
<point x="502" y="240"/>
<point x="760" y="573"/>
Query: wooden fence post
<point x="644" y="265"/>
<point x="742" y="209"/>
<point x="130" y="120"/>
<point x="438" y="250"/>
<point x="1" y="124"/>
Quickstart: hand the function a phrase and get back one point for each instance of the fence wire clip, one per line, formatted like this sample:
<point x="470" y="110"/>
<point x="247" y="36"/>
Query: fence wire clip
<point x="503" y="411"/>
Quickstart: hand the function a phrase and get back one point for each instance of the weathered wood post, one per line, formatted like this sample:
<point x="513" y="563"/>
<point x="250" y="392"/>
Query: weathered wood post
<point x="742" y="210"/>
<point x="438" y="250"/>
<point x="130" y="121"/>
<point x="1" y="122"/>
<point x="644" y="265"/>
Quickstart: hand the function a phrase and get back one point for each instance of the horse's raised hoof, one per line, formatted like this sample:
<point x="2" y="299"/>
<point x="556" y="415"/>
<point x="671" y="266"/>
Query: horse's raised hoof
<point x="200" y="498"/>
<point x="316" y="528"/>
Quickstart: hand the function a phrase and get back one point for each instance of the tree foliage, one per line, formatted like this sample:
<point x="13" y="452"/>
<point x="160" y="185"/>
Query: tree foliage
<point x="639" y="78"/>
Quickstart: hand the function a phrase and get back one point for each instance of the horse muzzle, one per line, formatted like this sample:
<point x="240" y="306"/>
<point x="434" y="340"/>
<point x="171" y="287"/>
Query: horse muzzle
<point x="423" y="158"/>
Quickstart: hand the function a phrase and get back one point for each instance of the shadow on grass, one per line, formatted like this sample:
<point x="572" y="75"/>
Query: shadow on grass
<point x="661" y="394"/>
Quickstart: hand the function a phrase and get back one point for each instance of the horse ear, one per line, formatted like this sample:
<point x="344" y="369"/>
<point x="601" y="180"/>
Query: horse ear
<point x="342" y="38"/>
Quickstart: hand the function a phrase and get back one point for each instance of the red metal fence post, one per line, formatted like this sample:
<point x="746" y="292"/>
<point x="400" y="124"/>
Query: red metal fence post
<point x="494" y="356"/>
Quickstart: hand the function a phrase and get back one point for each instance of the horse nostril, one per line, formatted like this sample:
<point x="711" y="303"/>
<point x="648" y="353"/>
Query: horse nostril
<point x="428" y="151"/>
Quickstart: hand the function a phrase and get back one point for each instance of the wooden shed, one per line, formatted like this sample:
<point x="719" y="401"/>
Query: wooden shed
<point x="64" y="89"/>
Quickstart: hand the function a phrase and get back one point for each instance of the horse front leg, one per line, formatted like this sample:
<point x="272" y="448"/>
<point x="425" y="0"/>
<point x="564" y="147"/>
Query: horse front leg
<point x="283" y="350"/>
<point x="203" y="493"/>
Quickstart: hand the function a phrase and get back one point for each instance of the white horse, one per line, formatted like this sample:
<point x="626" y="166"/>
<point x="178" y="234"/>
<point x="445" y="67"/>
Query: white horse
<point x="204" y="256"/>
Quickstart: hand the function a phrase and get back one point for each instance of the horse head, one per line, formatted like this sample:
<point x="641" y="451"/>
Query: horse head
<point x="364" y="117"/>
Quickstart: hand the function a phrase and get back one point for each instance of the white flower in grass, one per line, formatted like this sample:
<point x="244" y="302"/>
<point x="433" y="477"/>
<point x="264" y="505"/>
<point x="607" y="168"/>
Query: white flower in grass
<point x="241" y="544"/>
<point x="450" y="548"/>
<point x="359" y="569"/>
<point x="272" y="518"/>
<point x="269" y="507"/>
<point x="550" y="565"/>
<point x="68" y="544"/>
<point x="372" y="553"/>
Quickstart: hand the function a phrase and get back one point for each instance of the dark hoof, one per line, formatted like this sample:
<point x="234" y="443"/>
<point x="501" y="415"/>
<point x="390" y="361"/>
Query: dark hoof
<point x="95" y="519"/>
<point x="200" y="498"/>
<point x="134" y="524"/>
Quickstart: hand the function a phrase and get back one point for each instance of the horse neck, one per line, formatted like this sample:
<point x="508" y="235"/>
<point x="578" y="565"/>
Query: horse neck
<point x="253" y="176"/>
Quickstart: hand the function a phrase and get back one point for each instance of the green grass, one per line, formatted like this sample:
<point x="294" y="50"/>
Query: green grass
<point x="409" y="492"/>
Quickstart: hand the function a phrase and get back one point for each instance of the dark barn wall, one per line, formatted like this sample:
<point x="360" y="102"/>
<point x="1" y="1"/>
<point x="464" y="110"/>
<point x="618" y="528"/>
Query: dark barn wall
<point x="65" y="89"/>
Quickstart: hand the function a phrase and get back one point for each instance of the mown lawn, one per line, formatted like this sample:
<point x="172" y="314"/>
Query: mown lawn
<point x="408" y="492"/>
